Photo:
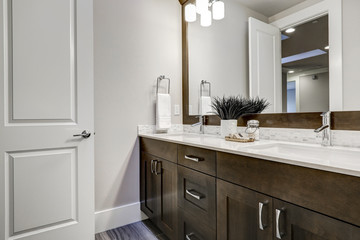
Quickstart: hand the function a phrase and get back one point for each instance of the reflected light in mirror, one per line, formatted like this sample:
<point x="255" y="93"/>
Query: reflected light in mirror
<point x="327" y="48"/>
<point x="218" y="10"/>
<point x="202" y="6"/>
<point x="190" y="13"/>
<point x="205" y="19"/>
<point x="290" y="30"/>
<point x="304" y="55"/>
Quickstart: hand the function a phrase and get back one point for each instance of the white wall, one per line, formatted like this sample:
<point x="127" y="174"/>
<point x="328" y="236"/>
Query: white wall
<point x="219" y="53"/>
<point x="311" y="95"/>
<point x="135" y="41"/>
<point x="314" y="94"/>
<point x="351" y="54"/>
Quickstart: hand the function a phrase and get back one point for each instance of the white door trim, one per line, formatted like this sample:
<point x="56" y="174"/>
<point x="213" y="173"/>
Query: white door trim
<point x="334" y="10"/>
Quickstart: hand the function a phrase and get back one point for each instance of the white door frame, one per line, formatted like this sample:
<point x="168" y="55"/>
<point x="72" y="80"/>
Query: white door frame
<point x="334" y="10"/>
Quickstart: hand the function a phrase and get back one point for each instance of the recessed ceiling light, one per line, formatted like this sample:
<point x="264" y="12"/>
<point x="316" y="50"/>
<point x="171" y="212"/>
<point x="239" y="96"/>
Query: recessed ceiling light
<point x="291" y="71"/>
<point x="327" y="48"/>
<point x="290" y="30"/>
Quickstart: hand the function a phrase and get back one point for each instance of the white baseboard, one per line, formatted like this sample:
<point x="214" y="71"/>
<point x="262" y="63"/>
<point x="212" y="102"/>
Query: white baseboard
<point x="117" y="217"/>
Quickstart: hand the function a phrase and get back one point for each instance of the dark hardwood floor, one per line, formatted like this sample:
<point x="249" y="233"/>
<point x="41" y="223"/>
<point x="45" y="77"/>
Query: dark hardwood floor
<point x="143" y="230"/>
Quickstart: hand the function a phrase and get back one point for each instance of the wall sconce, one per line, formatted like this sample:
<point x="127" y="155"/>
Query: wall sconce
<point x="202" y="8"/>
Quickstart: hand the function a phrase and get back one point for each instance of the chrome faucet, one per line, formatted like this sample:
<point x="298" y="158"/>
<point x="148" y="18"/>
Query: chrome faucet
<point x="201" y="123"/>
<point x="325" y="129"/>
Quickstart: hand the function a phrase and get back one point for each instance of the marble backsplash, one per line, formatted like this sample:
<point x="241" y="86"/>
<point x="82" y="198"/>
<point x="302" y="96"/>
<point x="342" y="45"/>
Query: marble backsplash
<point x="151" y="129"/>
<point x="339" y="137"/>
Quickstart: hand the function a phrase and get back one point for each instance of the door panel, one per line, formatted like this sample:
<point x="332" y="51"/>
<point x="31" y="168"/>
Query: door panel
<point x="41" y="180"/>
<point x="47" y="191"/>
<point x="297" y="223"/>
<point x="238" y="215"/>
<point x="43" y="54"/>
<point x="166" y="202"/>
<point x="265" y="63"/>
<point x="148" y="185"/>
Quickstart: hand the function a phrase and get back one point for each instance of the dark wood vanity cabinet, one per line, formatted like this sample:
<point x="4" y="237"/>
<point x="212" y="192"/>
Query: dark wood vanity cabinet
<point x="192" y="193"/>
<point x="158" y="192"/>
<point x="243" y="214"/>
<point x="296" y="223"/>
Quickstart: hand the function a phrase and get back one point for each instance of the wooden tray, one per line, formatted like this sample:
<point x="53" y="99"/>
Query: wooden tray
<point x="239" y="140"/>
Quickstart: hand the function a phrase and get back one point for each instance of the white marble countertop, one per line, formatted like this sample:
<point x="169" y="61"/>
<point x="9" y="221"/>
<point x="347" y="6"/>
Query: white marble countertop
<point x="342" y="160"/>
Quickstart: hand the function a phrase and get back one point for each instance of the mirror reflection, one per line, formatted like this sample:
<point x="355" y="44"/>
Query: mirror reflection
<point x="305" y="67"/>
<point x="219" y="55"/>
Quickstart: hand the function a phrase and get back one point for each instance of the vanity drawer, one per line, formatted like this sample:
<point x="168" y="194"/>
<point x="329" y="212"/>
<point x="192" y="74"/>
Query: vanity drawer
<point x="197" y="194"/>
<point x="199" y="159"/>
<point x="164" y="150"/>
<point x="332" y="194"/>
<point x="191" y="227"/>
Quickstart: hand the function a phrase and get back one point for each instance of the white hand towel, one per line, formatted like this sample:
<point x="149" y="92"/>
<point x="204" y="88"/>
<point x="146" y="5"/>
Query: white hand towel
<point x="205" y="105"/>
<point x="163" y="111"/>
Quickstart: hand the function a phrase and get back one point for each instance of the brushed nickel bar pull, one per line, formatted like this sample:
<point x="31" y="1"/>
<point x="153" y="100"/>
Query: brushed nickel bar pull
<point x="156" y="167"/>
<point x="151" y="166"/>
<point x="261" y="206"/>
<point x="189" y="236"/>
<point x="198" y="197"/>
<point x="195" y="159"/>
<point x="279" y="234"/>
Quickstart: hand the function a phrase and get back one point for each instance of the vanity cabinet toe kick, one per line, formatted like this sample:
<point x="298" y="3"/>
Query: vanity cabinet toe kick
<point x="206" y="194"/>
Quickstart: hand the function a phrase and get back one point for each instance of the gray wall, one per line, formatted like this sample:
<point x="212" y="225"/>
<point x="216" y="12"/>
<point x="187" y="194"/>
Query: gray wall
<point x="135" y="41"/>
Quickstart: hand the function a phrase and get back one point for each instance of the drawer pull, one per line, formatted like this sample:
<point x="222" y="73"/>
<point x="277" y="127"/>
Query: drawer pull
<point x="198" y="197"/>
<point x="279" y="234"/>
<point x="191" y="236"/>
<point x="262" y="226"/>
<point x="195" y="159"/>
<point x="156" y="167"/>
<point x="152" y="166"/>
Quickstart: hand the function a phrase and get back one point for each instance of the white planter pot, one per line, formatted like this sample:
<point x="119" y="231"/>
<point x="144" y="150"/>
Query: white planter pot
<point x="228" y="127"/>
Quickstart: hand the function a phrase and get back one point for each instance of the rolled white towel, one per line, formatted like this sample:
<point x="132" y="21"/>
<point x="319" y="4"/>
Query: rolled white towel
<point x="163" y="111"/>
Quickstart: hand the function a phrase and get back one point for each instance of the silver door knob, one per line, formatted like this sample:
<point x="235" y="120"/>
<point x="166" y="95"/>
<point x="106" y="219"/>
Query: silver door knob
<point x="84" y="134"/>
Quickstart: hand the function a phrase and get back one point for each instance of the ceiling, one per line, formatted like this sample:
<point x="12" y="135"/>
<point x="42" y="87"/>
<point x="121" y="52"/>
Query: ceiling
<point x="309" y="36"/>
<point x="270" y="7"/>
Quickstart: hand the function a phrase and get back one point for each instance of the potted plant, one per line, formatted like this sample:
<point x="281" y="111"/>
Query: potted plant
<point x="229" y="109"/>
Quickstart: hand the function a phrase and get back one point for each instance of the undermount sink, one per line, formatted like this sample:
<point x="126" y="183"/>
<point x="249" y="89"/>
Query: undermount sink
<point x="308" y="152"/>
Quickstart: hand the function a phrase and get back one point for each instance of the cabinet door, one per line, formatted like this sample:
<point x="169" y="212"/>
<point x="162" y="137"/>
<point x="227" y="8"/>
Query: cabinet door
<point x="242" y="214"/>
<point x="166" y="197"/>
<point x="147" y="185"/>
<point x="296" y="223"/>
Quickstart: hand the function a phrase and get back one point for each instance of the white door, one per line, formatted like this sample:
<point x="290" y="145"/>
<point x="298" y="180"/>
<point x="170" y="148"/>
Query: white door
<point x="46" y="96"/>
<point x="265" y="63"/>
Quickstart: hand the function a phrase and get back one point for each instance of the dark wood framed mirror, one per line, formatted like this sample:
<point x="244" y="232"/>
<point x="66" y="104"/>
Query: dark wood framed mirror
<point x="304" y="120"/>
